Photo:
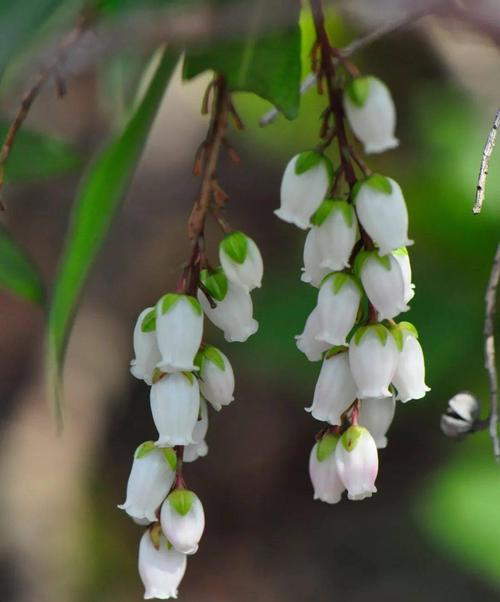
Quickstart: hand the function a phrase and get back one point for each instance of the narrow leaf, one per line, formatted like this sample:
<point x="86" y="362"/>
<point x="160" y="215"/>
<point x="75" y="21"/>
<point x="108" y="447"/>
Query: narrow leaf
<point x="96" y="204"/>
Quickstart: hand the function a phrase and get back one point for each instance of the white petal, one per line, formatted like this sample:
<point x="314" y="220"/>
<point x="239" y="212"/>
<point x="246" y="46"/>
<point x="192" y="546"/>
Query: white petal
<point x="409" y="378"/>
<point x="312" y="272"/>
<point x="384" y="287"/>
<point x="248" y="274"/>
<point x="183" y="532"/>
<point x="357" y="464"/>
<point x="376" y="415"/>
<point x="147" y="354"/>
<point x="307" y="342"/>
<point x="402" y="257"/>
<point x="337" y="310"/>
<point x="216" y="385"/>
<point x="325" y="479"/>
<point x="161" y="570"/>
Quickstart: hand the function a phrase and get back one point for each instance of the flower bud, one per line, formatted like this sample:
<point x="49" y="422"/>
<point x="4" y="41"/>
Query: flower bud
<point x="233" y="313"/>
<point x="376" y="415"/>
<point x="312" y="272"/>
<point x="183" y="520"/>
<point x="175" y="404"/>
<point x="461" y="415"/>
<point x="382" y="280"/>
<point x="338" y="304"/>
<point x="199" y="448"/>
<point x="335" y="390"/>
<point x="147" y="354"/>
<point x="179" y="327"/>
<point x="336" y="231"/>
<point x="323" y="471"/>
<point x="373" y="357"/>
<point x="304" y="185"/>
<point x="357" y="462"/>
<point x="161" y="568"/>
<point x="409" y="378"/>
<point x="307" y="342"/>
<point x="381" y="209"/>
<point x="371" y="113"/>
<point x="216" y="377"/>
<point x="241" y="260"/>
<point x="150" y="480"/>
<point x="402" y="257"/>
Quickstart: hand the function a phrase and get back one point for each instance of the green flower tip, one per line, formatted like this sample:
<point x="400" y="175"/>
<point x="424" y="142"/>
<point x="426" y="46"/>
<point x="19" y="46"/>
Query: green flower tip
<point x="351" y="437"/>
<point x="181" y="500"/>
<point x="235" y="246"/>
<point x="326" y="446"/>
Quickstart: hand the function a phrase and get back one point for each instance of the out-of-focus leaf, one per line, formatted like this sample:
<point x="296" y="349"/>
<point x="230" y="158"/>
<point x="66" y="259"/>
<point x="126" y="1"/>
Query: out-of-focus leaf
<point x="459" y="509"/>
<point x="267" y="63"/>
<point x="97" y="201"/>
<point x="17" y="273"/>
<point x="36" y="156"/>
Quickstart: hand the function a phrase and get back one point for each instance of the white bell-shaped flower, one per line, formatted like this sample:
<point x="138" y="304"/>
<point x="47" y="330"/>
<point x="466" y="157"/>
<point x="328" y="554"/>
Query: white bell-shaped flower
<point x="382" y="280"/>
<point x="183" y="520"/>
<point x="371" y="113"/>
<point x="147" y="354"/>
<point x="150" y="480"/>
<point x="175" y="404"/>
<point x="402" y="257"/>
<point x="161" y="569"/>
<point x="198" y="448"/>
<point x="335" y="390"/>
<point x="325" y="479"/>
<point x="334" y="232"/>
<point x="179" y="328"/>
<point x="233" y="313"/>
<point x="381" y="209"/>
<point x="307" y="341"/>
<point x="312" y="272"/>
<point x="241" y="260"/>
<point x="373" y="357"/>
<point x="357" y="462"/>
<point x="304" y="185"/>
<point x="338" y="304"/>
<point x="409" y="378"/>
<point x="216" y="377"/>
<point x="465" y="406"/>
<point x="377" y="415"/>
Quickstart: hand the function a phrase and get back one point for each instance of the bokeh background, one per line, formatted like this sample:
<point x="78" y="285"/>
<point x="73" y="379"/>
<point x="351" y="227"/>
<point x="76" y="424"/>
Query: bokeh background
<point x="433" y="530"/>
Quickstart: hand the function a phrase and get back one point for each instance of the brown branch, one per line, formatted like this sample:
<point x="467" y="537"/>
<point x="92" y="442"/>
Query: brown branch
<point x="52" y="70"/>
<point x="489" y="351"/>
<point x="485" y="164"/>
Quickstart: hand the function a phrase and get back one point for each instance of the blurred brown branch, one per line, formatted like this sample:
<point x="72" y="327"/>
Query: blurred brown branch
<point x="485" y="164"/>
<point x="489" y="351"/>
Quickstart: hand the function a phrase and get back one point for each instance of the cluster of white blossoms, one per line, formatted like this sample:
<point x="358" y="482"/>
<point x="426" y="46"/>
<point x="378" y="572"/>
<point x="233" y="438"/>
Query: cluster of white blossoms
<point x="355" y="253"/>
<point x="184" y="374"/>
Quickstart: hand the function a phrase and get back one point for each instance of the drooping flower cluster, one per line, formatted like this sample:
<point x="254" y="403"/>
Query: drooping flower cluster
<point x="184" y="374"/>
<point x="355" y="254"/>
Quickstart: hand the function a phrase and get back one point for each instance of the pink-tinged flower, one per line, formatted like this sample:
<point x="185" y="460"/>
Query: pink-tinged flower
<point x="183" y="520"/>
<point x="325" y="479"/>
<point x="357" y="462"/>
<point x="377" y="415"/>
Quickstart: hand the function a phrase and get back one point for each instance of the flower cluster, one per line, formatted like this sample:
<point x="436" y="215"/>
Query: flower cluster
<point x="355" y="253"/>
<point x="184" y="374"/>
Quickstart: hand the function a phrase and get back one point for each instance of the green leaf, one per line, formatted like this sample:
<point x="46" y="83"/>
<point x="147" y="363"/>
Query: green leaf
<point x="264" y="62"/>
<point x="170" y="456"/>
<point x="350" y="438"/>
<point x="181" y="500"/>
<point x="358" y="90"/>
<point x="307" y="160"/>
<point x="212" y="354"/>
<point x="144" y="449"/>
<point x="378" y="182"/>
<point x="235" y="246"/>
<point x="326" y="446"/>
<point x="149" y="321"/>
<point x="17" y="273"/>
<point x="97" y="201"/>
<point x="37" y="156"/>
<point x="215" y="282"/>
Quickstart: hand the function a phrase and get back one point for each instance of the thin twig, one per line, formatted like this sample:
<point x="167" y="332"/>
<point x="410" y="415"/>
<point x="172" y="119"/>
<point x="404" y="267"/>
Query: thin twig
<point x="485" y="163"/>
<point x="489" y="351"/>
<point x="52" y="70"/>
<point x="362" y="42"/>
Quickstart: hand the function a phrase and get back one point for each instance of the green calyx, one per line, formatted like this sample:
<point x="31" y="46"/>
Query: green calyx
<point x="189" y="377"/>
<point x="155" y="535"/>
<point x="215" y="282"/>
<point x="351" y="437"/>
<point x="379" y="329"/>
<point x="148" y="323"/>
<point x="312" y="158"/>
<point x="157" y="374"/>
<point x="363" y="256"/>
<point x="181" y="500"/>
<point x="340" y="279"/>
<point x="168" y="301"/>
<point x="330" y="205"/>
<point x="170" y="456"/>
<point x="400" y="252"/>
<point x="358" y="90"/>
<point x="210" y="354"/>
<point x="335" y="351"/>
<point x="376" y="181"/>
<point x="235" y="246"/>
<point x="326" y="446"/>
<point x="144" y="449"/>
<point x="398" y="332"/>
